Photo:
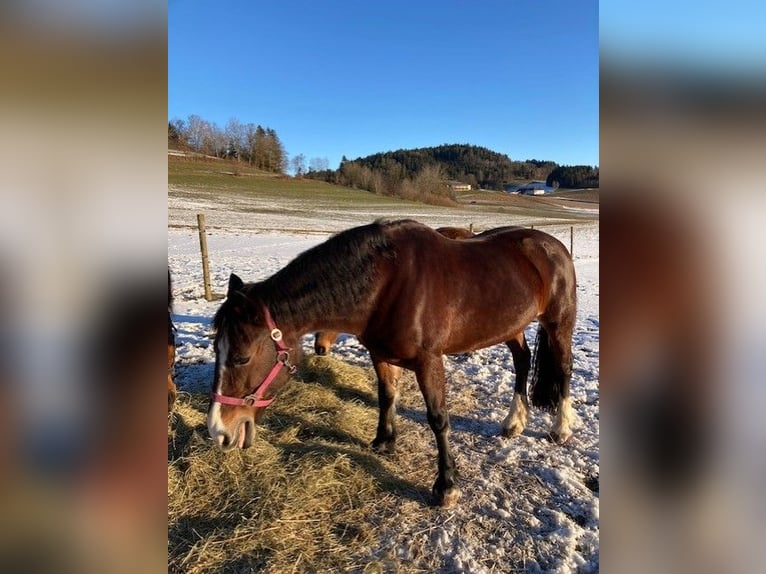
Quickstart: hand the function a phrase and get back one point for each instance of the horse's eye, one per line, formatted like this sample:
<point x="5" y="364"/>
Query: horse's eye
<point x="240" y="360"/>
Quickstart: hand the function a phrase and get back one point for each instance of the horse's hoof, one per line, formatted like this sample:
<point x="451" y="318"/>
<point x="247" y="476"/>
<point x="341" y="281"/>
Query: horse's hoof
<point x="386" y="446"/>
<point x="447" y="498"/>
<point x="559" y="438"/>
<point x="512" y="431"/>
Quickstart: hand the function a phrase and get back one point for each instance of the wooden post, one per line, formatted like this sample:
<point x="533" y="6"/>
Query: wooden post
<point x="571" y="240"/>
<point x="203" y="249"/>
<point x="470" y="227"/>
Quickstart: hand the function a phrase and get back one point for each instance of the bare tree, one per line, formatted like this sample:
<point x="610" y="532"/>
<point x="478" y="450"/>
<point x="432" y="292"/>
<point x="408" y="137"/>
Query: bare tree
<point x="236" y="139"/>
<point x="298" y="164"/>
<point x="196" y="128"/>
<point x="431" y="181"/>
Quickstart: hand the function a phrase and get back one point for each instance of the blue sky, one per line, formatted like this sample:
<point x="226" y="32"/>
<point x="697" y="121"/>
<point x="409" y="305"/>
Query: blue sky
<point x="352" y="77"/>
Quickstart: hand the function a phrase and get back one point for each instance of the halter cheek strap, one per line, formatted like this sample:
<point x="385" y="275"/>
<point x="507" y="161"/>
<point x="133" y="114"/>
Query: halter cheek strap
<point x="283" y="360"/>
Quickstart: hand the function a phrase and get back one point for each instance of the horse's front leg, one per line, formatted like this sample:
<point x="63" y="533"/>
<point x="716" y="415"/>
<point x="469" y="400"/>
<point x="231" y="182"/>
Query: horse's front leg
<point x="430" y="376"/>
<point x="388" y="393"/>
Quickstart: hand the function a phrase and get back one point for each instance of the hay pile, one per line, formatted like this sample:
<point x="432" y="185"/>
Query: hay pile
<point x="309" y="495"/>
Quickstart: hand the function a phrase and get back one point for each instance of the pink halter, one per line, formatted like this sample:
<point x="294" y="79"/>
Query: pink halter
<point x="283" y="360"/>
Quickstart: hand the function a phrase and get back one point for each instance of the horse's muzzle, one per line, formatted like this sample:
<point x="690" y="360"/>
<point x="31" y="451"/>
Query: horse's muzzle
<point x="242" y="437"/>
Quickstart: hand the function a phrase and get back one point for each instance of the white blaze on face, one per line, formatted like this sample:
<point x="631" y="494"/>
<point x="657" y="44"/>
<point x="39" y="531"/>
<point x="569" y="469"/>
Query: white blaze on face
<point x="215" y="424"/>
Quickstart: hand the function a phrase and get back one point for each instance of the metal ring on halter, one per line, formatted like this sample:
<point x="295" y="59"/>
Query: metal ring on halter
<point x="284" y="358"/>
<point x="276" y="334"/>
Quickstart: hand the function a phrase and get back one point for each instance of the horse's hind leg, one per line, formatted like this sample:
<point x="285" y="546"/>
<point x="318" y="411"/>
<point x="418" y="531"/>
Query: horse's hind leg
<point x="516" y="420"/>
<point x="562" y="425"/>
<point x="388" y="393"/>
<point x="555" y="355"/>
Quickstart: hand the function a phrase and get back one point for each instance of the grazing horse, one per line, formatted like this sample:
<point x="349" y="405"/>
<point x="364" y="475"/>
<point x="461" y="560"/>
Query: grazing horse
<point x="410" y="295"/>
<point x="171" y="349"/>
<point x="323" y="340"/>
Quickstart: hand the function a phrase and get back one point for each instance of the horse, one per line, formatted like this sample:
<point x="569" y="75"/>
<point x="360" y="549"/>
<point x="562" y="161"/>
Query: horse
<point x="324" y="340"/>
<point x="455" y="232"/>
<point x="171" y="349"/>
<point x="410" y="295"/>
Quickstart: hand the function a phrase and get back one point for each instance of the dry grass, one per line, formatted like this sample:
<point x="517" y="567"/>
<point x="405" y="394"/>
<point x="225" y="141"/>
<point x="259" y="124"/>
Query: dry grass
<point x="309" y="495"/>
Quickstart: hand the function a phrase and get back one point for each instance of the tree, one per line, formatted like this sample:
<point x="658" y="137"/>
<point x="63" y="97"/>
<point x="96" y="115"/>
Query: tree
<point x="177" y="133"/>
<point x="275" y="154"/>
<point x="204" y="136"/>
<point x="431" y="181"/>
<point x="298" y="165"/>
<point x="236" y="139"/>
<point x="249" y="147"/>
<point x="259" y="154"/>
<point x="196" y="128"/>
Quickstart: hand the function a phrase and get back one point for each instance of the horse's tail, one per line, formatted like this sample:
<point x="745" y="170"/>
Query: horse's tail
<point x="170" y="293"/>
<point x="544" y="380"/>
<point x="171" y="327"/>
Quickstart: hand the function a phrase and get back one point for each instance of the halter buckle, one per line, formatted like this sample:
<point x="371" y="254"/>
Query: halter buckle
<point x="283" y="357"/>
<point x="276" y="334"/>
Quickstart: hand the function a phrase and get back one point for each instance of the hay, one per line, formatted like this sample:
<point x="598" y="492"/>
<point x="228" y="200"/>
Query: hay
<point x="309" y="495"/>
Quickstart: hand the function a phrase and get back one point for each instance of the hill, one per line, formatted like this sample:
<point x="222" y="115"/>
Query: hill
<point x="475" y="165"/>
<point x="262" y="200"/>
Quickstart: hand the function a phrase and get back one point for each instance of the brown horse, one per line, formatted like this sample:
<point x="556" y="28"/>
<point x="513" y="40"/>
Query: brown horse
<point x="171" y="349"/>
<point x="324" y="340"/>
<point x="410" y="295"/>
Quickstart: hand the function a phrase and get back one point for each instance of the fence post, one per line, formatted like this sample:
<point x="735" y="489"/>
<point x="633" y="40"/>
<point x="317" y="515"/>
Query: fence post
<point x="203" y="249"/>
<point x="571" y="240"/>
<point x="470" y="227"/>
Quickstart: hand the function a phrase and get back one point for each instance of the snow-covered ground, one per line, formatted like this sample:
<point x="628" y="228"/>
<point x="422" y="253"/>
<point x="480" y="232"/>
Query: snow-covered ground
<point x="523" y="496"/>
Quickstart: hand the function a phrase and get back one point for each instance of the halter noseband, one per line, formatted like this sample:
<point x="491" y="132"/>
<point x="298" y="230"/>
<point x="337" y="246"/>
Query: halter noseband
<point x="283" y="360"/>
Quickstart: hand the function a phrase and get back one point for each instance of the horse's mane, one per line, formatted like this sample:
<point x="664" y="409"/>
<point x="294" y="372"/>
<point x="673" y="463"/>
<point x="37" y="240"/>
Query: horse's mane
<point x="337" y="274"/>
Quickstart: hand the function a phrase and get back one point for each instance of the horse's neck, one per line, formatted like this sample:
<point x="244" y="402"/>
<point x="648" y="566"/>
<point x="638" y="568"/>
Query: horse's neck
<point x="297" y="317"/>
<point x="324" y="321"/>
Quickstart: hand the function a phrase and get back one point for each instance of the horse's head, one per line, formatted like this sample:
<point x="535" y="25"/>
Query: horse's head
<point x="252" y="363"/>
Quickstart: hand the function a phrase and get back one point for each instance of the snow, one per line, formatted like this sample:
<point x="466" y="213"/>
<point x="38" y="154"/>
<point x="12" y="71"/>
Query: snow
<point x="528" y="497"/>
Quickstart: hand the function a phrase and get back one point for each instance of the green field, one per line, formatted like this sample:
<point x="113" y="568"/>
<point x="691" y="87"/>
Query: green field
<point x="235" y="187"/>
<point x="238" y="178"/>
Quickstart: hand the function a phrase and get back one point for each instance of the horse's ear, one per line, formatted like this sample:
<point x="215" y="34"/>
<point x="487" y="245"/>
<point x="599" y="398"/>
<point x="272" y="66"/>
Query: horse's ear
<point x="235" y="284"/>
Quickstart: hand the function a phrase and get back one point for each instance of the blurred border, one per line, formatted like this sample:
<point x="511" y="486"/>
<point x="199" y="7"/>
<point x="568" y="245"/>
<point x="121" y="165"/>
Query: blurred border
<point x="683" y="432"/>
<point x="82" y="262"/>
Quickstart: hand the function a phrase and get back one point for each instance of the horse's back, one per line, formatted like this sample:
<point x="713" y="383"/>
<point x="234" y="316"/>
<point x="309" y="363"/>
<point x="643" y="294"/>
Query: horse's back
<point x="512" y="253"/>
<point x="468" y="294"/>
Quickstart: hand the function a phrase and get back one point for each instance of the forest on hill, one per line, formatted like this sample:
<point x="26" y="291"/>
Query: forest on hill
<point x="398" y="172"/>
<point x="573" y="177"/>
<point x="475" y="165"/>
